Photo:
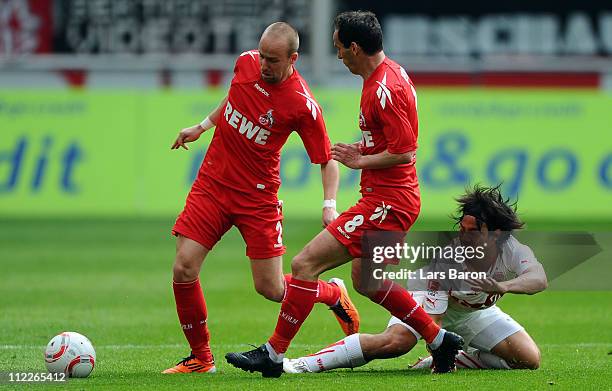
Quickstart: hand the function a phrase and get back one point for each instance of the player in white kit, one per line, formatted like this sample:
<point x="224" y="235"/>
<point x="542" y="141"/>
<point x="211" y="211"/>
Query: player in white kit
<point x="494" y="339"/>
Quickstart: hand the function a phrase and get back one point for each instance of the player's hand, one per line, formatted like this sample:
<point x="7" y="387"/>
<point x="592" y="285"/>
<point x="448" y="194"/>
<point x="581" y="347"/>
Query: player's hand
<point x="488" y="285"/>
<point x="329" y="215"/>
<point x="347" y="154"/>
<point x="187" y="135"/>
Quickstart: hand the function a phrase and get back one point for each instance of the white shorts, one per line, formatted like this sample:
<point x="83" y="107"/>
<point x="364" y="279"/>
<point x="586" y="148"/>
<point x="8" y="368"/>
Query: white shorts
<point x="481" y="329"/>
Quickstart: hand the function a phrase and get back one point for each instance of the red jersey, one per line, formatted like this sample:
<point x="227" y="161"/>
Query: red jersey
<point x="388" y="121"/>
<point x="244" y="153"/>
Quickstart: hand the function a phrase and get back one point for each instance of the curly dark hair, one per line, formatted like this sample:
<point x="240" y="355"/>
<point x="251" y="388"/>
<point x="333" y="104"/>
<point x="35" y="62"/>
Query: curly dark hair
<point x="488" y="206"/>
<point x="360" y="27"/>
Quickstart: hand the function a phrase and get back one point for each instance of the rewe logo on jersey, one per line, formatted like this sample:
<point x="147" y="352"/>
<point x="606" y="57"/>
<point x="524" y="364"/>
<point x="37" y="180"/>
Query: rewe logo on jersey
<point x="311" y="104"/>
<point x="383" y="92"/>
<point x="245" y="127"/>
<point x="366" y="136"/>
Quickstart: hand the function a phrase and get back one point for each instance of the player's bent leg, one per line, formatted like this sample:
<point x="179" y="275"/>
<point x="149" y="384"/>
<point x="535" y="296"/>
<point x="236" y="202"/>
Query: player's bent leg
<point x="395" y="341"/>
<point x="322" y="253"/>
<point x="191" y="307"/>
<point x="501" y="344"/>
<point x="268" y="278"/>
<point x="271" y="283"/>
<point x="325" y="252"/>
<point x="365" y="286"/>
<point x="519" y="350"/>
<point x="354" y="351"/>
<point x="443" y="345"/>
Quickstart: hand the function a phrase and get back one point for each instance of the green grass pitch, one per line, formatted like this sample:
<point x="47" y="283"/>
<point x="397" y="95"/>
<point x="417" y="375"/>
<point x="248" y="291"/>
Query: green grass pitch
<point x="110" y="280"/>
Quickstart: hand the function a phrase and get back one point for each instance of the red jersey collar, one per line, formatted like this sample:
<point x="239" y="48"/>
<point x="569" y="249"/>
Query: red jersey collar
<point x="377" y="70"/>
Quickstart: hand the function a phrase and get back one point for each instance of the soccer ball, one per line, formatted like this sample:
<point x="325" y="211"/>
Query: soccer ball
<point x="70" y="353"/>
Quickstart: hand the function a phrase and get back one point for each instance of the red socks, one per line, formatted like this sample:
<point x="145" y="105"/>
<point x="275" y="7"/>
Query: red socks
<point x="400" y="303"/>
<point x="299" y="300"/>
<point x="297" y="305"/>
<point x="328" y="293"/>
<point x="191" y="309"/>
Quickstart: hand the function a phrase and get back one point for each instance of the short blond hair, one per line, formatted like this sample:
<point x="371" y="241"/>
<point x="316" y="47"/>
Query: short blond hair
<point x="286" y="31"/>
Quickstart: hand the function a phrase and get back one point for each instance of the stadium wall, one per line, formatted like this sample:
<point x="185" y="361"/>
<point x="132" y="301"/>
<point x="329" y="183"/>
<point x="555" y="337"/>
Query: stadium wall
<point x="107" y="153"/>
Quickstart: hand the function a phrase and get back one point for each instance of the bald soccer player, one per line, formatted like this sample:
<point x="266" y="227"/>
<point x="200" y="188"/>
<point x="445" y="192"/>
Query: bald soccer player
<point x="238" y="181"/>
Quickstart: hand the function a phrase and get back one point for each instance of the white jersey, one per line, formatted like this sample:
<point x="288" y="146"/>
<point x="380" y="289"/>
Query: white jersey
<point x="514" y="259"/>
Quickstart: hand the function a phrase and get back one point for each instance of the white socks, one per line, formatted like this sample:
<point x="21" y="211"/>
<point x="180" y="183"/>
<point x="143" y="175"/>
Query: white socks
<point x="438" y="340"/>
<point x="476" y="359"/>
<point x="343" y="354"/>
<point x="273" y="355"/>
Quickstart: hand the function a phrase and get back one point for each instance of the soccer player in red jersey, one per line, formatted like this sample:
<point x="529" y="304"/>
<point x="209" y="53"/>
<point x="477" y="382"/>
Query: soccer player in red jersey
<point x="238" y="182"/>
<point x="469" y="308"/>
<point x="390" y="202"/>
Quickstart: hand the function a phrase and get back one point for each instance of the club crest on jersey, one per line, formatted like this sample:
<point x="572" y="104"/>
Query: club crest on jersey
<point x="267" y="119"/>
<point x="380" y="212"/>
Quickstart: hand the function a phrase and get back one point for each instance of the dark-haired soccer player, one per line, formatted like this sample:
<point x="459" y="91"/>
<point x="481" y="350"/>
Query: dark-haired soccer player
<point x="390" y="202"/>
<point x="496" y="340"/>
<point x="238" y="182"/>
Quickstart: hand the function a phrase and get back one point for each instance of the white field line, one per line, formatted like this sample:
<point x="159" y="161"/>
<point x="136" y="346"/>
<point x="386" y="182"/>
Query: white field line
<point x="246" y="346"/>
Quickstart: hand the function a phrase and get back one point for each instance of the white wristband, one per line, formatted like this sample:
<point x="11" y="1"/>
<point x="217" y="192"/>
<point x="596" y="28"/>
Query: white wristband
<point x="329" y="204"/>
<point x="206" y="124"/>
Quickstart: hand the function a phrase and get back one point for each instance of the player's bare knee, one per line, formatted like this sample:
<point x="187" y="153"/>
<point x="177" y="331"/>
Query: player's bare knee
<point x="270" y="291"/>
<point x="181" y="274"/>
<point x="184" y="269"/>
<point x="526" y="358"/>
<point x="530" y="358"/>
<point x="302" y="266"/>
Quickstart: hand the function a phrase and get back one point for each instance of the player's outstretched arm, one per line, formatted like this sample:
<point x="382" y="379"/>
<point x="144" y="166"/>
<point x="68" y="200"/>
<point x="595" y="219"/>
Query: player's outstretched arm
<point x="532" y="281"/>
<point x="329" y="177"/>
<point x="350" y="155"/>
<point x="194" y="132"/>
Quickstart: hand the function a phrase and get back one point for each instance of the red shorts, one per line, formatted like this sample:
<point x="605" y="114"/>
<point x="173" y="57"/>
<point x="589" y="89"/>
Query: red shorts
<point x="371" y="213"/>
<point x="212" y="208"/>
